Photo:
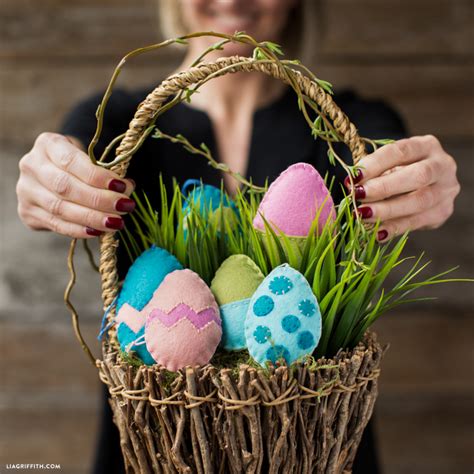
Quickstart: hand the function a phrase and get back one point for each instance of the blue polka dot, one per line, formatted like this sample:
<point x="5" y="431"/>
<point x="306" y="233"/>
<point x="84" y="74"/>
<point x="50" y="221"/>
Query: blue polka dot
<point x="263" y="306"/>
<point x="305" y="340"/>
<point x="280" y="285"/>
<point x="290" y="323"/>
<point x="278" y="352"/>
<point x="307" y="308"/>
<point x="262" y="334"/>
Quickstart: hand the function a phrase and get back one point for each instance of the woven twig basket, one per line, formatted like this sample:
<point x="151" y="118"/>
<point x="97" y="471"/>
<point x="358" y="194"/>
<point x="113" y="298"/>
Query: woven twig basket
<point x="300" y="419"/>
<point x="283" y="420"/>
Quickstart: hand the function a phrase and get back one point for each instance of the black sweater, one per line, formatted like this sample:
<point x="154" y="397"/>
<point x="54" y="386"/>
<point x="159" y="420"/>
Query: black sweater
<point x="280" y="137"/>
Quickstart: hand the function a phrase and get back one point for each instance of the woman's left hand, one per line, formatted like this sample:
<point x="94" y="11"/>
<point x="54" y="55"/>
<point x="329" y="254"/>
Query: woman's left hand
<point x="407" y="185"/>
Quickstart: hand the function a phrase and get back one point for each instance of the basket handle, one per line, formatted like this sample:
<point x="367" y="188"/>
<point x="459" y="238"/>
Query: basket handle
<point x="146" y="113"/>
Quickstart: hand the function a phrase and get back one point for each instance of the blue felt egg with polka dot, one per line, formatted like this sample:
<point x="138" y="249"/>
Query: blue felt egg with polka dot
<point x="283" y="319"/>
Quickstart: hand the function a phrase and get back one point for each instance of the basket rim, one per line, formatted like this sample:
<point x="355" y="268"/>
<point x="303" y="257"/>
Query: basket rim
<point x="368" y="349"/>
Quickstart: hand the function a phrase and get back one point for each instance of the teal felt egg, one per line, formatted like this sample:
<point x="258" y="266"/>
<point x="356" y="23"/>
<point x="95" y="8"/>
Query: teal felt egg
<point x="145" y="275"/>
<point x="233" y="284"/>
<point x="209" y="201"/>
<point x="283" y="318"/>
<point x="143" y="278"/>
<point x="125" y="335"/>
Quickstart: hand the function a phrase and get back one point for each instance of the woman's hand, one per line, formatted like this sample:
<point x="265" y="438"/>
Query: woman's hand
<point x="59" y="189"/>
<point x="410" y="184"/>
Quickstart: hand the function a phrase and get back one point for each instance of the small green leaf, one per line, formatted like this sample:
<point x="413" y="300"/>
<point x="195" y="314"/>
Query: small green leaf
<point x="273" y="47"/>
<point x="259" y="54"/>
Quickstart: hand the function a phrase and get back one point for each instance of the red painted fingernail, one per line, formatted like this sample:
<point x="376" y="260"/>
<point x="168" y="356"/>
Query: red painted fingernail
<point x="365" y="212"/>
<point x="382" y="235"/>
<point x="115" y="223"/>
<point x="117" y="185"/>
<point x="125" y="205"/>
<point x="359" y="192"/>
<point x="355" y="179"/>
<point x="93" y="232"/>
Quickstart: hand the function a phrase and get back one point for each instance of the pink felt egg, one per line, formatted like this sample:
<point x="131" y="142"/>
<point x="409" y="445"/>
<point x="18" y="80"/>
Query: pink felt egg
<point x="293" y="201"/>
<point x="183" y="325"/>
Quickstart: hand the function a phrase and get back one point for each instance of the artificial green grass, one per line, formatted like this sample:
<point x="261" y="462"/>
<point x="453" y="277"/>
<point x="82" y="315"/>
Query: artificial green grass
<point x="345" y="265"/>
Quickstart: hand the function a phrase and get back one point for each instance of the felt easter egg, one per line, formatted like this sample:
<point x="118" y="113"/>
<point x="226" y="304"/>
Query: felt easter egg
<point x="137" y="344"/>
<point x="233" y="284"/>
<point x="183" y="325"/>
<point x="209" y="201"/>
<point x="142" y="279"/>
<point x="294" y="200"/>
<point x="145" y="275"/>
<point x="130" y="332"/>
<point x="283" y="319"/>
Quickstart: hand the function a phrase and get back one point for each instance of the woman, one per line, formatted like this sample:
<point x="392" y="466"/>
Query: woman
<point x="250" y="122"/>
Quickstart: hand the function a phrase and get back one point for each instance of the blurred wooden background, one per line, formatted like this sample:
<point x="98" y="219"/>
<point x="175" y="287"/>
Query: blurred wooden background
<point x="417" y="54"/>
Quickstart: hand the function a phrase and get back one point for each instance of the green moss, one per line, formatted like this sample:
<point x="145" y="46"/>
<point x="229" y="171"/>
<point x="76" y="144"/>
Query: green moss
<point x="131" y="358"/>
<point x="233" y="359"/>
<point x="168" y="378"/>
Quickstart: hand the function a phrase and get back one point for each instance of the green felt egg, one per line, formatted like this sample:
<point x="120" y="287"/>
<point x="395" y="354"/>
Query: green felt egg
<point x="236" y="279"/>
<point x="234" y="283"/>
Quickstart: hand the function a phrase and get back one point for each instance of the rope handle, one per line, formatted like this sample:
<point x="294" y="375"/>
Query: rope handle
<point x="308" y="89"/>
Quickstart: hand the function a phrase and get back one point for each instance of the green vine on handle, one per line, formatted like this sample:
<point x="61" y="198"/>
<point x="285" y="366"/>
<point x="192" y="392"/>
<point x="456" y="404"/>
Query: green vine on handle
<point x="204" y="151"/>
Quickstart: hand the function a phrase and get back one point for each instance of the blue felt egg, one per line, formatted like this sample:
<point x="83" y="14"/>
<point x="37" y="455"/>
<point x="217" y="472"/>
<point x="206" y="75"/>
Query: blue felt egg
<point x="283" y="318"/>
<point x="205" y="197"/>
<point x="211" y="203"/>
<point x="126" y="337"/>
<point x="143" y="278"/>
<point x="233" y="284"/>
<point x="233" y="318"/>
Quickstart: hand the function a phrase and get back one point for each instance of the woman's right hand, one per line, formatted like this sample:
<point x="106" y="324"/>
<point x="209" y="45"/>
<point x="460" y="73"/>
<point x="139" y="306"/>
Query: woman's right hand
<point x="59" y="189"/>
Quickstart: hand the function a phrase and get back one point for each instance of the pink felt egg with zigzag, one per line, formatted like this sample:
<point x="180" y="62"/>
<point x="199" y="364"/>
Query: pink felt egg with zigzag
<point x="183" y="325"/>
<point x="294" y="200"/>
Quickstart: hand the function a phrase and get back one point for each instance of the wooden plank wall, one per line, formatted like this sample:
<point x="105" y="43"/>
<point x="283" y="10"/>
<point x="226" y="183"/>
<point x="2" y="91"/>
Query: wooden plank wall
<point x="417" y="54"/>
